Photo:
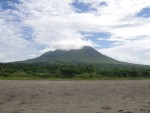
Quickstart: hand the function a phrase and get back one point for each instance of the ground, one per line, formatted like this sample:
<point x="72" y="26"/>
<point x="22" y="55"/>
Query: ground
<point x="29" y="96"/>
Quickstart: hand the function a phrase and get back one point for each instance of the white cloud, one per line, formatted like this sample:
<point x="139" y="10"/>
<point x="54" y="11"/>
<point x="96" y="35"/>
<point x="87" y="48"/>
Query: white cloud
<point x="56" y="25"/>
<point x="134" y="51"/>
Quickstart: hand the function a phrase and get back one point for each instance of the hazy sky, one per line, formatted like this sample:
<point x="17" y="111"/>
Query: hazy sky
<point x="117" y="28"/>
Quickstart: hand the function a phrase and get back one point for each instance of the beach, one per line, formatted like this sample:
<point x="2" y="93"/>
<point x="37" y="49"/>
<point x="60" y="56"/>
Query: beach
<point x="83" y="96"/>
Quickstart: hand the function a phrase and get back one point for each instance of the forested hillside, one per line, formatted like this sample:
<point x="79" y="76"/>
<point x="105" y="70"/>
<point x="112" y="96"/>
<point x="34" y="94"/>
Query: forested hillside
<point x="40" y="70"/>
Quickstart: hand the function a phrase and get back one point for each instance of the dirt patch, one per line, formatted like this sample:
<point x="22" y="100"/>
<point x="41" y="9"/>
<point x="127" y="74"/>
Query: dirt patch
<point x="129" y="96"/>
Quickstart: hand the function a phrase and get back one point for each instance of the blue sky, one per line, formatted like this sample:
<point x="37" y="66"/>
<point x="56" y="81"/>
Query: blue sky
<point x="82" y="7"/>
<point x="145" y="12"/>
<point x="100" y="39"/>
<point x="5" y="4"/>
<point x="28" y="28"/>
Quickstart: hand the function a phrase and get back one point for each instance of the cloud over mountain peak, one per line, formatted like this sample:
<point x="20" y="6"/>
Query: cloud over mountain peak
<point x="30" y="27"/>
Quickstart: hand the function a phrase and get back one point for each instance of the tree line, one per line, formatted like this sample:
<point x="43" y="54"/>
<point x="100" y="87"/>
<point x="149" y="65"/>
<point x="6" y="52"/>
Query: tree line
<point x="69" y="71"/>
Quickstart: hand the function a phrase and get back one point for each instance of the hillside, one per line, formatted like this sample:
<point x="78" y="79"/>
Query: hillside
<point x="85" y="55"/>
<point x="83" y="63"/>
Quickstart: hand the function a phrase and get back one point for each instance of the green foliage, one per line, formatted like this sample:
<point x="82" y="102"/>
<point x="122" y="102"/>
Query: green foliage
<point x="86" y="55"/>
<point x="41" y="70"/>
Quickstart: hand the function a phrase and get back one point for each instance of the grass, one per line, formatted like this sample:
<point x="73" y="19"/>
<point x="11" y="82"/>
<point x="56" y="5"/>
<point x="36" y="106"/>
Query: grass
<point x="74" y="78"/>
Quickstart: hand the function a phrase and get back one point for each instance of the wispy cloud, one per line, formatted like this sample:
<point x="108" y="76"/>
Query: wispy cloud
<point x="30" y="27"/>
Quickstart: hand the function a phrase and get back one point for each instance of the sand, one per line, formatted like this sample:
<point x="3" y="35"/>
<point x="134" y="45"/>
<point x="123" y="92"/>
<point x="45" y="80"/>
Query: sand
<point x="128" y="96"/>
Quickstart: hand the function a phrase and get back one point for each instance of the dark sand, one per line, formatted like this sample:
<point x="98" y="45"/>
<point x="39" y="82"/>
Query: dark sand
<point x="129" y="96"/>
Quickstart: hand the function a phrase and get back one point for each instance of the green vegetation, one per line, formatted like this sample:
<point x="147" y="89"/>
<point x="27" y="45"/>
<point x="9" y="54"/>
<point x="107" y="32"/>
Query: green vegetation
<point x="86" y="55"/>
<point x="85" y="63"/>
<point x="75" y="72"/>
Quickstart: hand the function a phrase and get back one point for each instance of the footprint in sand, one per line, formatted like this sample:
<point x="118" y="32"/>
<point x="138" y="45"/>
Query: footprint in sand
<point x="127" y="112"/>
<point x="106" y="108"/>
<point x="120" y="111"/>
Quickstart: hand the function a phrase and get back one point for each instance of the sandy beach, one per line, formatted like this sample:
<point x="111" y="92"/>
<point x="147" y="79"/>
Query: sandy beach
<point x="28" y="96"/>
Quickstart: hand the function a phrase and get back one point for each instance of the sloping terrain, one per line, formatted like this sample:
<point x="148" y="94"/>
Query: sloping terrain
<point x="86" y="55"/>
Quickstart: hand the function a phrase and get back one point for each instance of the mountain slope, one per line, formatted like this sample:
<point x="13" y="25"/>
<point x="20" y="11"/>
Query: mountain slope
<point x="85" y="55"/>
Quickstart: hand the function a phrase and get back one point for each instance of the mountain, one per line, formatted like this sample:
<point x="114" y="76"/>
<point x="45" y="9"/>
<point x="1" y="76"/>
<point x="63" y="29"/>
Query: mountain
<point x="85" y="55"/>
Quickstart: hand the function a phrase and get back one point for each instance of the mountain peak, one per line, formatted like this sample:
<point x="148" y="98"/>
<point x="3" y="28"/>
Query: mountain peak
<point x="84" y="47"/>
<point x="85" y="55"/>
